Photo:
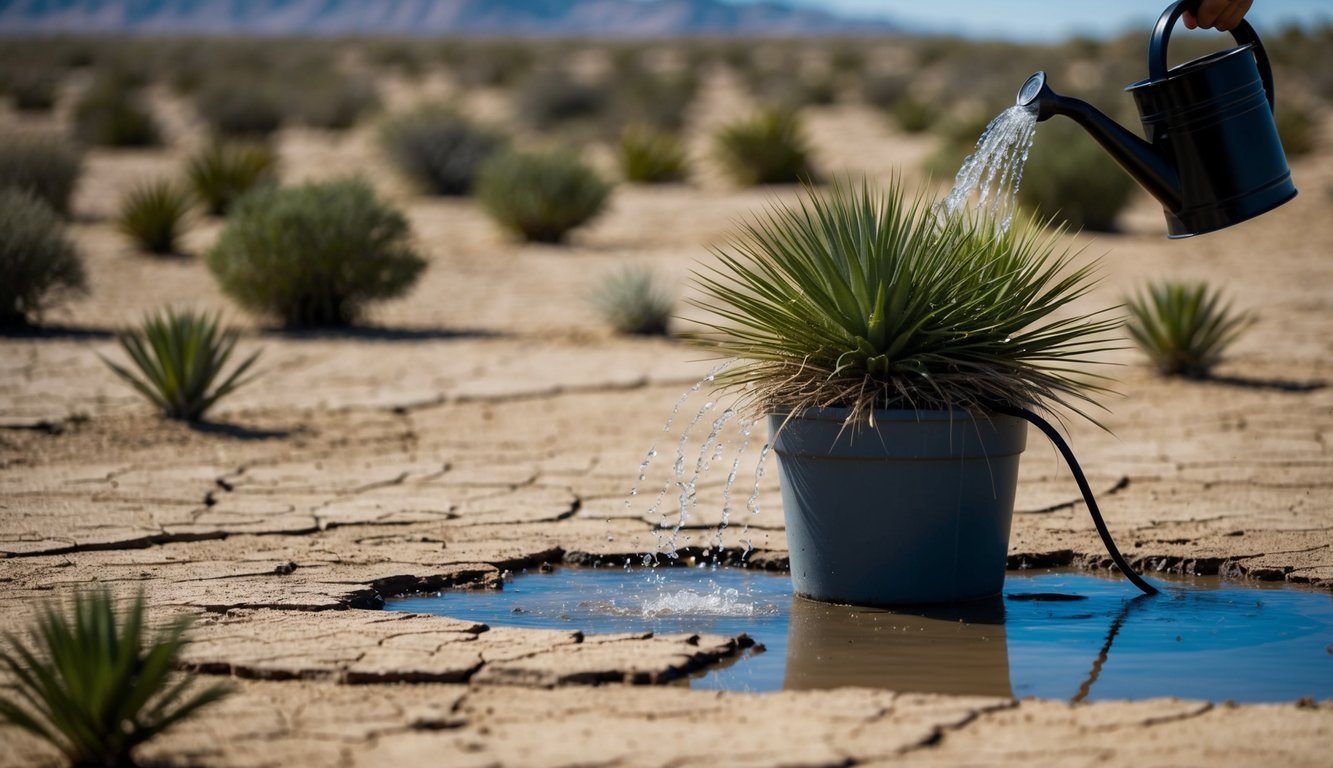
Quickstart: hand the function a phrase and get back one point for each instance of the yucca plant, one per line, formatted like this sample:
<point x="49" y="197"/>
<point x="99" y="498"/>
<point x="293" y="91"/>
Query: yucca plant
<point x="96" y="686"/>
<point x="222" y="173"/>
<point x="769" y="147"/>
<point x="1184" y="328"/>
<point x="633" y="300"/>
<point x="152" y="215"/>
<point x="650" y="156"/>
<point x="541" y="197"/>
<point x="862" y="299"/>
<point x="439" y="149"/>
<point x="179" y="357"/>
<point x="895" y="351"/>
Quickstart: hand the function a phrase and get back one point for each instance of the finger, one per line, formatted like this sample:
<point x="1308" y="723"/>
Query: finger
<point x="1231" y="18"/>
<point x="1190" y="21"/>
<point x="1209" y="11"/>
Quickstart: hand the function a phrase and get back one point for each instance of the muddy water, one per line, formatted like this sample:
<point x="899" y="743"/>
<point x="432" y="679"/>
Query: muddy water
<point x="1056" y="634"/>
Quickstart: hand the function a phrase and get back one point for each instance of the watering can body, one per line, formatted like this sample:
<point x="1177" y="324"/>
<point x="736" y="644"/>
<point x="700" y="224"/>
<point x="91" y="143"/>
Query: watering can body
<point x="1212" y="155"/>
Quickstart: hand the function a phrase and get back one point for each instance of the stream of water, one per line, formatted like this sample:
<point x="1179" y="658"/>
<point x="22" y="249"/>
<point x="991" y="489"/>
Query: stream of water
<point x="989" y="179"/>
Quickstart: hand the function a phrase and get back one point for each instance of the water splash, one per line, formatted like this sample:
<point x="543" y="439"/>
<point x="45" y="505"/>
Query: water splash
<point x="717" y="602"/>
<point x="989" y="178"/>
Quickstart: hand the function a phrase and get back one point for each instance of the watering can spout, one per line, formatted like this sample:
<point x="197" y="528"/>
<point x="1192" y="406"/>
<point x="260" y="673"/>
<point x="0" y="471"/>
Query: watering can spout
<point x="1140" y="159"/>
<point x="1212" y="155"/>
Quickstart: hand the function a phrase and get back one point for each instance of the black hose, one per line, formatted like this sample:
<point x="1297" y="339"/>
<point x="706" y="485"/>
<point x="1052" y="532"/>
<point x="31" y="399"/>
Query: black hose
<point x="1082" y="481"/>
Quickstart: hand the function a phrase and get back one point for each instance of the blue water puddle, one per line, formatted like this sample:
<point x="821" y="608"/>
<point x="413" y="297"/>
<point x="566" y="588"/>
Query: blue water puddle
<point x="1055" y="634"/>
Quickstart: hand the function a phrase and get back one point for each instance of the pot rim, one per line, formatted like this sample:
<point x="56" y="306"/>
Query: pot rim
<point x="896" y="415"/>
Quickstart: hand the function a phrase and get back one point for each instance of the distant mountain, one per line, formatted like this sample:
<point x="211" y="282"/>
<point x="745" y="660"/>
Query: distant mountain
<point x="483" y="18"/>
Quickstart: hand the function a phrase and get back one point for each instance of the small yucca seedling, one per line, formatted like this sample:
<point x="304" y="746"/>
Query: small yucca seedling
<point x="152" y="214"/>
<point x="768" y="148"/>
<point x="222" y="173"/>
<point x="96" y="686"/>
<point x="649" y="156"/>
<point x="633" y="300"/>
<point x="180" y="357"/>
<point x="1184" y="328"/>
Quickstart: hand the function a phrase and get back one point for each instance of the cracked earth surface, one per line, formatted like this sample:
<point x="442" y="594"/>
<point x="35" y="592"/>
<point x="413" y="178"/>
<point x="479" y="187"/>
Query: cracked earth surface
<point x="486" y="424"/>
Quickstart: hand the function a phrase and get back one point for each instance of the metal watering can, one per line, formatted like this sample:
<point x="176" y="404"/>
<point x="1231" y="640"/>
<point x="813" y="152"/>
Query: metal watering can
<point x="1212" y="157"/>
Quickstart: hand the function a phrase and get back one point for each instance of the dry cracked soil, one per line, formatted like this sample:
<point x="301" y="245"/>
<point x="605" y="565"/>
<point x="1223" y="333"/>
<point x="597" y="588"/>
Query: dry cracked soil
<point x="487" y="423"/>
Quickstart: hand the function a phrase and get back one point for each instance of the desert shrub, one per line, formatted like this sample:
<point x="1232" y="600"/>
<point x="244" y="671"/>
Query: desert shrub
<point x="439" y="149"/>
<point x="333" y="101"/>
<point x="178" y="359"/>
<point x="315" y="254"/>
<point x="152" y="215"/>
<point x="401" y="55"/>
<point x="883" y="90"/>
<point x="788" y="88"/>
<point x="491" y="63"/>
<point x="221" y="173"/>
<point x="659" y="100"/>
<point x="554" y="97"/>
<point x="32" y="89"/>
<point x="45" y="165"/>
<point x="112" y="113"/>
<point x="634" y="301"/>
<point x="541" y="196"/>
<point x="38" y="264"/>
<point x="238" y="106"/>
<point x="788" y="76"/>
<point x="650" y="156"/>
<point x="96" y="685"/>
<point x="1298" y="129"/>
<point x="1071" y="178"/>
<point x="847" y="57"/>
<point x="914" y="115"/>
<point x="1184" y="328"/>
<point x="769" y="147"/>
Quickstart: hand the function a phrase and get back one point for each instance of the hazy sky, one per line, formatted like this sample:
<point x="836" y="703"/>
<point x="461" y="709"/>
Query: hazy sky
<point x="1053" y="19"/>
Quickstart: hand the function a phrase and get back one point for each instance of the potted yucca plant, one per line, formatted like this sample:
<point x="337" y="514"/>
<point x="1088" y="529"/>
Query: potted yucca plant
<point x="889" y="344"/>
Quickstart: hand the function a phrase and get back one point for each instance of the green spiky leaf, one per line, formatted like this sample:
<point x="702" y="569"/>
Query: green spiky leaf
<point x="178" y="359"/>
<point x="865" y="299"/>
<point x="1184" y="328"/>
<point x="95" y="685"/>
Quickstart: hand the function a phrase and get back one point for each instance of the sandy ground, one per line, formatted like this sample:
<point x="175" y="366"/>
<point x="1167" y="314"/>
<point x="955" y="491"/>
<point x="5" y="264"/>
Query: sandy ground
<point x="487" y="422"/>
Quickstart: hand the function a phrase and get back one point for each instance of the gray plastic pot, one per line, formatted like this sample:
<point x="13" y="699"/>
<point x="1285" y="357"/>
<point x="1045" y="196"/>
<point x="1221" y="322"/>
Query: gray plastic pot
<point x="915" y="510"/>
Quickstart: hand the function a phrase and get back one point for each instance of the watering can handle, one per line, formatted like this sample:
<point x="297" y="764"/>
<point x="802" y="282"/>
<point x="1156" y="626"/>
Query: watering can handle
<point x="1244" y="33"/>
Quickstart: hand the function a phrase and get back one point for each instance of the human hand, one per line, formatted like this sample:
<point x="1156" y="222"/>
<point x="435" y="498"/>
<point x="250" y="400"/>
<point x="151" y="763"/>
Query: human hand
<point x="1223" y="15"/>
